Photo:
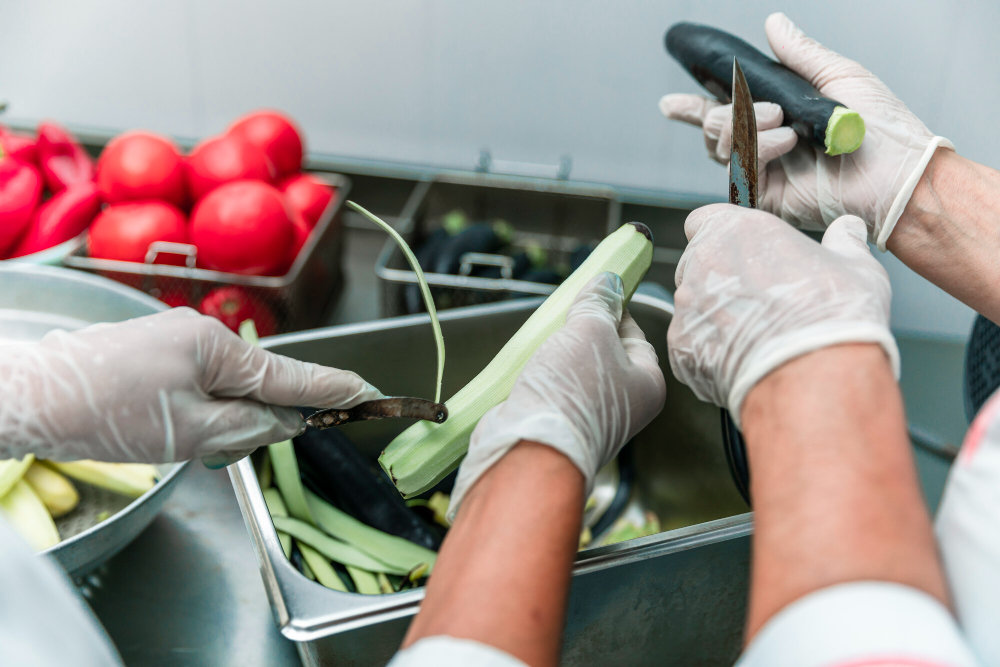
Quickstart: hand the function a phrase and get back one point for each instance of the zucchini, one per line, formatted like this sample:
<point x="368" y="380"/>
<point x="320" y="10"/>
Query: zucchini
<point x="12" y="470"/>
<point x="55" y="491"/>
<point x="334" y="468"/>
<point x="276" y="507"/>
<point x="423" y="454"/>
<point x="128" y="479"/>
<point x="27" y="515"/>
<point x="331" y="548"/>
<point x="707" y="54"/>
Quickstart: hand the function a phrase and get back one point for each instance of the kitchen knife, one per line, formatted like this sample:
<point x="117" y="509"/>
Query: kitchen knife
<point x="742" y="192"/>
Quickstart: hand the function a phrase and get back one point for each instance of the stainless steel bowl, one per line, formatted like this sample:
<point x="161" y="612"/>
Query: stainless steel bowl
<point x="33" y="301"/>
<point x="675" y="598"/>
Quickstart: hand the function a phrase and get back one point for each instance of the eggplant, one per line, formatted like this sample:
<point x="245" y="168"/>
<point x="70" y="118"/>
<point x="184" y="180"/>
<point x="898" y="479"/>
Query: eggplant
<point x="707" y="54"/>
<point x="480" y="237"/>
<point x="426" y="254"/>
<point x="546" y="276"/>
<point x="522" y="263"/>
<point x="333" y="467"/>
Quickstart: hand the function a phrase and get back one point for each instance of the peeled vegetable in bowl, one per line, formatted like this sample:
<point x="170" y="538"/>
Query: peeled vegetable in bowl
<point x="124" y="231"/>
<point x="141" y="165"/>
<point x="223" y="159"/>
<point x="243" y="227"/>
<point x="274" y="133"/>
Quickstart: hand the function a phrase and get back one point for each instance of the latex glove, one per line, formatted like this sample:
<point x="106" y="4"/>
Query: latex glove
<point x="802" y="184"/>
<point x="585" y="392"/>
<point x="753" y="293"/>
<point x="166" y="387"/>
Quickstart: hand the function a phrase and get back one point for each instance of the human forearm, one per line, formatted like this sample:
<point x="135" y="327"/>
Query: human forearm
<point x="949" y="232"/>
<point x="503" y="573"/>
<point x="835" y="490"/>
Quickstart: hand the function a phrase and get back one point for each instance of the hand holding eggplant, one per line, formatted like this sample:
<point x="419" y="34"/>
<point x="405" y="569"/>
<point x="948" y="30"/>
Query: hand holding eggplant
<point x="801" y="183"/>
<point x="167" y="387"/>
<point x="585" y="392"/>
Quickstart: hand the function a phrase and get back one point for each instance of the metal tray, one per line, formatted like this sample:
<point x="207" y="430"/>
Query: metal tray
<point x="298" y="300"/>
<point x="33" y="301"/>
<point x="554" y="215"/>
<point x="676" y="598"/>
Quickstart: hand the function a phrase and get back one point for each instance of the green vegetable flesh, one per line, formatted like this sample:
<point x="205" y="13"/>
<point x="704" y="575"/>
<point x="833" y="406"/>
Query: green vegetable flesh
<point x="285" y="469"/>
<point x="276" y="507"/>
<point x="26" y="514"/>
<point x="364" y="581"/>
<point x="423" y="454"/>
<point x="321" y="568"/>
<point x="395" y="551"/>
<point x="331" y="548"/>
<point x="11" y="472"/>
<point x="844" y="132"/>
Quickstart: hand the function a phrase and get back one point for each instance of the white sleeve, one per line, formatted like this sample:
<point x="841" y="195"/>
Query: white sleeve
<point x="968" y="530"/>
<point x="43" y="620"/>
<point x="861" y="624"/>
<point x="451" y="652"/>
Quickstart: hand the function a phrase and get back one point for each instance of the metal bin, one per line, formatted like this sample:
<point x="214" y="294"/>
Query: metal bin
<point x="554" y="215"/>
<point x="297" y="300"/>
<point x="676" y="598"/>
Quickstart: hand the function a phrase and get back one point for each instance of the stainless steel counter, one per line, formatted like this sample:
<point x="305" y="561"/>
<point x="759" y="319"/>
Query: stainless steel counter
<point x="187" y="592"/>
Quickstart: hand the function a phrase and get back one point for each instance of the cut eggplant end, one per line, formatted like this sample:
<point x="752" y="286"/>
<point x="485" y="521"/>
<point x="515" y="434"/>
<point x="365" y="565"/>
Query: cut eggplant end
<point x="844" y="132"/>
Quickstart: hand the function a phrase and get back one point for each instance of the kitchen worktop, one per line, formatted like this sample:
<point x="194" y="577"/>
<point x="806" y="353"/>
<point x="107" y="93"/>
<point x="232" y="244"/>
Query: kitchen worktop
<point x="188" y="590"/>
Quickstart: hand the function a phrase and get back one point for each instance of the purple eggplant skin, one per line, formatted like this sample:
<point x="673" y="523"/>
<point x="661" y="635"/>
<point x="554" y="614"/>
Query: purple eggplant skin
<point x="579" y="256"/>
<point x="707" y="54"/>
<point x="426" y="254"/>
<point x="333" y="467"/>
<point x="522" y="263"/>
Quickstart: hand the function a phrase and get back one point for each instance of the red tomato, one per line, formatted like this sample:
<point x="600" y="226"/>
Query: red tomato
<point x="243" y="227"/>
<point x="61" y="157"/>
<point x="141" y="165"/>
<point x="124" y="231"/>
<point x="61" y="218"/>
<point x="234" y="305"/>
<point x="20" y="190"/>
<point x="274" y="133"/>
<point x="219" y="160"/>
<point x="175" y="298"/>
<point x="308" y="195"/>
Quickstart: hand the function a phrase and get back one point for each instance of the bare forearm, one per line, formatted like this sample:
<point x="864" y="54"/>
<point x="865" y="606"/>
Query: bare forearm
<point x="503" y="573"/>
<point x="950" y="231"/>
<point x="834" y="485"/>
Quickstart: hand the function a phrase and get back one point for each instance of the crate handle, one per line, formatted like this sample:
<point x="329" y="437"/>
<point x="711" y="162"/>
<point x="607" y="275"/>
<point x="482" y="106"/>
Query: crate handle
<point x="189" y="251"/>
<point x="469" y="259"/>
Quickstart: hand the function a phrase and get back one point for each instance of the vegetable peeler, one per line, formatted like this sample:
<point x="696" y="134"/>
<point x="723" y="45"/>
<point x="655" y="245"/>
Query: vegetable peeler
<point x="381" y="408"/>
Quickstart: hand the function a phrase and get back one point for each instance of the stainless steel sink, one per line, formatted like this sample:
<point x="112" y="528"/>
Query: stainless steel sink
<point x="676" y="598"/>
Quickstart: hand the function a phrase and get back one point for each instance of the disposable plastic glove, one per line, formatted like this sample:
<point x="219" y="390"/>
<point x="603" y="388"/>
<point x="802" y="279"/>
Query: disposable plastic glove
<point x="167" y="387"/>
<point x="802" y="184"/>
<point x="589" y="388"/>
<point x="753" y="293"/>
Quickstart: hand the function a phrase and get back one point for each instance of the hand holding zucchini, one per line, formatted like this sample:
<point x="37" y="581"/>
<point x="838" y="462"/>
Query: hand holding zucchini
<point x="707" y="54"/>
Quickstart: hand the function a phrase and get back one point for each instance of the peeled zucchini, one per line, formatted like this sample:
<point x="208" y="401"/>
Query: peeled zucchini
<point x="27" y="515"/>
<point x="424" y="453"/>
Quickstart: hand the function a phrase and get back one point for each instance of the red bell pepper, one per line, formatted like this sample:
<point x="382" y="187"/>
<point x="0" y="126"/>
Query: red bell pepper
<point x="20" y="190"/>
<point x="62" y="159"/>
<point x="61" y="218"/>
<point x="19" y="146"/>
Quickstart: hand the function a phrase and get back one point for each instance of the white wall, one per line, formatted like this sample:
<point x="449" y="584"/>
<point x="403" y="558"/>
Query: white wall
<point x="432" y="83"/>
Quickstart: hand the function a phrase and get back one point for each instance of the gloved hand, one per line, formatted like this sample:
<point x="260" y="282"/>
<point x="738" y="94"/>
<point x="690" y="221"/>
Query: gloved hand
<point x="753" y="293"/>
<point x="802" y="184"/>
<point x="166" y="387"/>
<point x="589" y="388"/>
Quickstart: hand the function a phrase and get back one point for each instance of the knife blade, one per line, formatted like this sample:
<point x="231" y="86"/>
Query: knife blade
<point x="743" y="154"/>
<point x="742" y="192"/>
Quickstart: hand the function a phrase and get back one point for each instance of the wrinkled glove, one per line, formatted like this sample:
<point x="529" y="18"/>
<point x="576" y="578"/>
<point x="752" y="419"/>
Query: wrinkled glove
<point x="753" y="293"/>
<point x="590" y="387"/>
<point x="799" y="182"/>
<point x="166" y="387"/>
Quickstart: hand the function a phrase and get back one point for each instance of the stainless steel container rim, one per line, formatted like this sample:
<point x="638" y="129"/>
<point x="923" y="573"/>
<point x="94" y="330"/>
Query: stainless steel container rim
<point x="86" y="278"/>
